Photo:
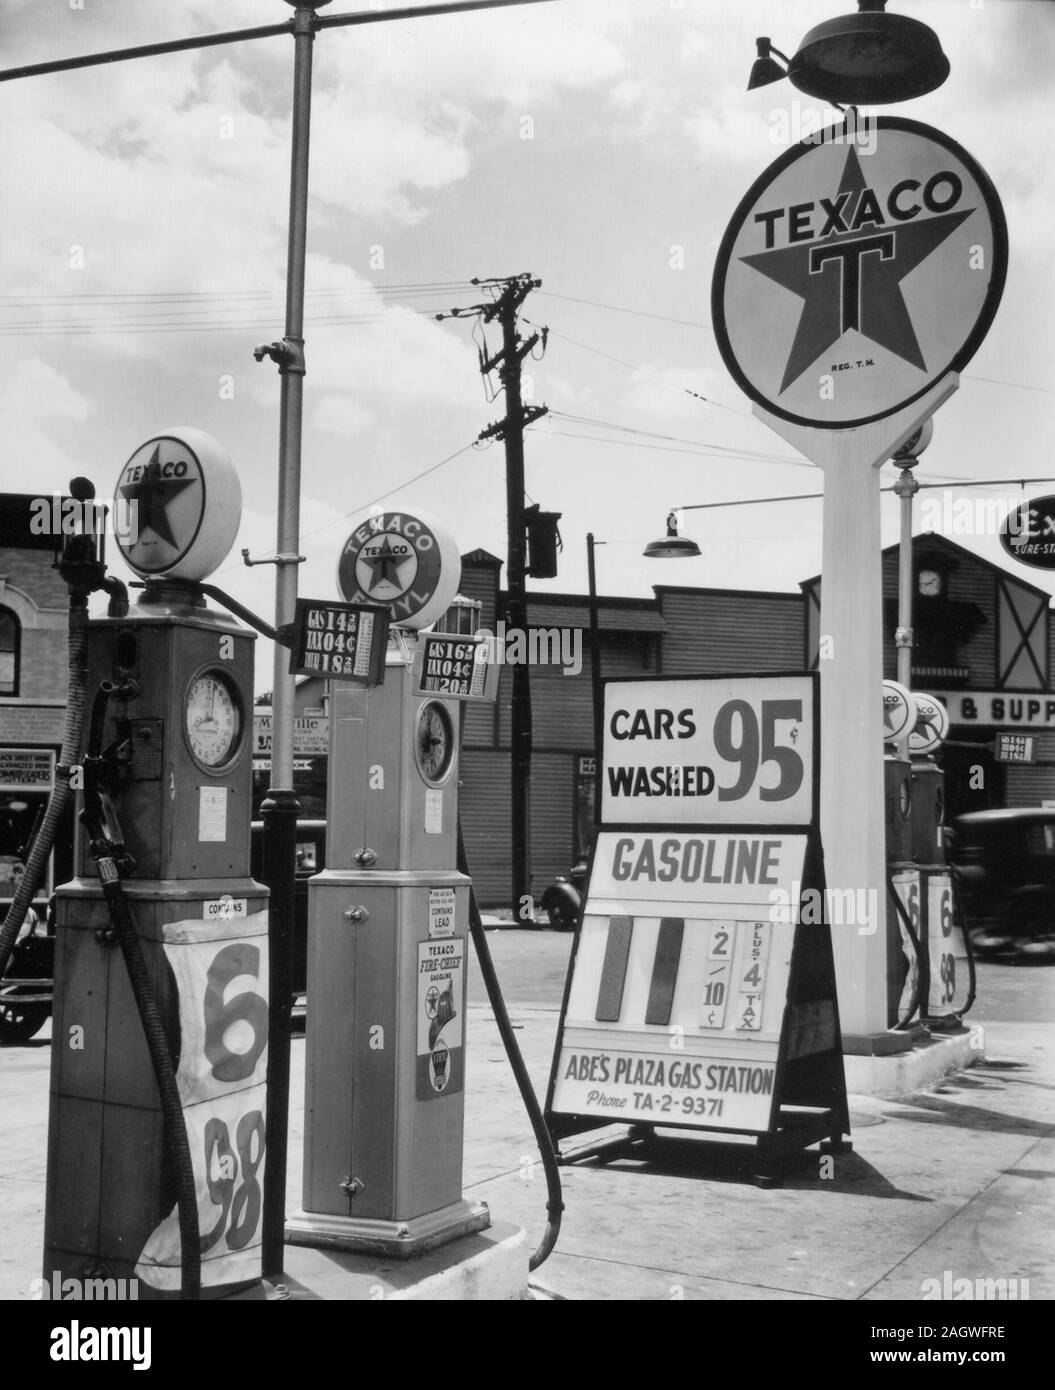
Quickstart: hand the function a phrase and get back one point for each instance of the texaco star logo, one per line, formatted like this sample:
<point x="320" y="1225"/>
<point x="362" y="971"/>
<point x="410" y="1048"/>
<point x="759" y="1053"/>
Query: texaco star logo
<point x="850" y="276"/>
<point x="164" y="484"/>
<point x="393" y="559"/>
<point x="854" y="276"/>
<point x="386" y="567"/>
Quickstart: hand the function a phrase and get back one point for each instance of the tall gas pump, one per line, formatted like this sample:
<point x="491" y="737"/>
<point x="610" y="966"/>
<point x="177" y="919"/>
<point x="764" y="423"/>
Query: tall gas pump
<point x="162" y="865"/>
<point x="387" y="923"/>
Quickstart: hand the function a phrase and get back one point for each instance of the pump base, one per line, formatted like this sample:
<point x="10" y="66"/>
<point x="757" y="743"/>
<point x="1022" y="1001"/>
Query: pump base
<point x="400" y="1240"/>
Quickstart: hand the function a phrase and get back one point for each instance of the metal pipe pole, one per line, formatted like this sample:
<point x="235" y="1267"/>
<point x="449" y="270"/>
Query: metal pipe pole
<point x="280" y="809"/>
<point x="905" y="488"/>
<point x="595" y="659"/>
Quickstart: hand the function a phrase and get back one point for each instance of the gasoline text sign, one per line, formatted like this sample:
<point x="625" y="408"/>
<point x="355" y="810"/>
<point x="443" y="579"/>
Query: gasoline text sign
<point x="680" y="979"/>
<point x="723" y="751"/>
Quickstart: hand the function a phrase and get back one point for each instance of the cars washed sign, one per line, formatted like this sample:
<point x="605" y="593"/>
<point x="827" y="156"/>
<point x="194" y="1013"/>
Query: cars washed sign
<point x="873" y="274"/>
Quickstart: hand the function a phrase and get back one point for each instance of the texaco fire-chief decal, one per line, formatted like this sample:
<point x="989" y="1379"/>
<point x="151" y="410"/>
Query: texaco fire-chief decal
<point x="854" y="275"/>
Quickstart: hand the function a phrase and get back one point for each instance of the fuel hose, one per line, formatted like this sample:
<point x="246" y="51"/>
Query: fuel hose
<point x="554" y="1196"/>
<point x="177" y="1144"/>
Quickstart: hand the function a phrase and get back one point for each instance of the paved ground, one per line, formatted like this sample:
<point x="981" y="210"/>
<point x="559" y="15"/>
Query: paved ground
<point x="953" y="1183"/>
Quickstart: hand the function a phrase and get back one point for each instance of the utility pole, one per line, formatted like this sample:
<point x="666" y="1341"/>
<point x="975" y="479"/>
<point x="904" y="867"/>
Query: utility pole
<point x="510" y="294"/>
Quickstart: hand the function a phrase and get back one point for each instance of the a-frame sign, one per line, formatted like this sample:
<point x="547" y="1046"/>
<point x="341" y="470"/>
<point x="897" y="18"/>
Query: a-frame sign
<point x="701" y="989"/>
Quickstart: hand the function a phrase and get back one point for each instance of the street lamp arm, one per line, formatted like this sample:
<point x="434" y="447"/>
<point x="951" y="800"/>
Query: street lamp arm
<point x="266" y="31"/>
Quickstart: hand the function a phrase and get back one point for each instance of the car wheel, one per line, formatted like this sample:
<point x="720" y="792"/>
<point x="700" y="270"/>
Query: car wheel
<point x="563" y="916"/>
<point x="18" y="1022"/>
<point x="1038" y="938"/>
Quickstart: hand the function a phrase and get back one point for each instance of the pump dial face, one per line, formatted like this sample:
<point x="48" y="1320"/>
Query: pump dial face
<point x="213" y="719"/>
<point x="434" y="742"/>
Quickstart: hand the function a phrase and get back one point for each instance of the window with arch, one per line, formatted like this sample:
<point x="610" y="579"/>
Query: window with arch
<point x="10" y="635"/>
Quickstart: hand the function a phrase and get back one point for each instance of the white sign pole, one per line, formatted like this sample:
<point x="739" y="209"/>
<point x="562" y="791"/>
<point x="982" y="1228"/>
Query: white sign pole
<point x="851" y="664"/>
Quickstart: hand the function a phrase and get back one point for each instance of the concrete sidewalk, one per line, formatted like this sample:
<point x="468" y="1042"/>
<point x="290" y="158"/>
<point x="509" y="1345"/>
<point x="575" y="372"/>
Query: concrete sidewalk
<point x="947" y="1184"/>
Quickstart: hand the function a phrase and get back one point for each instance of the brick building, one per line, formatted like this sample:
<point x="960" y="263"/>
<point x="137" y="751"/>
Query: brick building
<point x="33" y="609"/>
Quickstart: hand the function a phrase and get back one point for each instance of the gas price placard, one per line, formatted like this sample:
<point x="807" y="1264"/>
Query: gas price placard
<point x="731" y="750"/>
<point x="460" y="668"/>
<point x="341" y="641"/>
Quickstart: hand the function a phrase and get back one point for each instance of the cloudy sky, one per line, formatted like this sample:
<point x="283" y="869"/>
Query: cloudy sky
<point x="600" y="144"/>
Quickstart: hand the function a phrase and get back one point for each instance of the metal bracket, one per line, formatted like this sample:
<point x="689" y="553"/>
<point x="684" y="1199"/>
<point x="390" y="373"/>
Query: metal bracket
<point x="356" y="914"/>
<point x="351" y="1187"/>
<point x="287" y="354"/>
<point x="366" y="858"/>
<point x="272" y="560"/>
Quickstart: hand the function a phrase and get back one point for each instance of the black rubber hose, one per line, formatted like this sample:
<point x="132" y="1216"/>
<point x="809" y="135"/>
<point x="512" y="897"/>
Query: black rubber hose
<point x="72" y="733"/>
<point x="543" y="1138"/>
<point x="899" y="908"/>
<point x="177" y="1145"/>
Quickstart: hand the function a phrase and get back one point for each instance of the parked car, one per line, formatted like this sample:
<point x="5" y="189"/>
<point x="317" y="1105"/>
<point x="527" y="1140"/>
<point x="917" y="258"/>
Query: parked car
<point x="562" y="900"/>
<point x="26" y="989"/>
<point x="1004" y="866"/>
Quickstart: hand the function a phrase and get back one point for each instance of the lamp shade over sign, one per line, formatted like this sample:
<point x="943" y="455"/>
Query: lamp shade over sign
<point x="1028" y="533"/>
<point x="177" y="505"/>
<point x="408" y="563"/>
<point x="869" y="58"/>
<point x="863" y="266"/>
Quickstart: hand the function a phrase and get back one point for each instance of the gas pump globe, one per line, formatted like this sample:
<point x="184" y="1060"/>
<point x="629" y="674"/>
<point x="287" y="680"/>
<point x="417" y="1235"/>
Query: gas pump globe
<point x="387" y="929"/>
<point x="166" y="798"/>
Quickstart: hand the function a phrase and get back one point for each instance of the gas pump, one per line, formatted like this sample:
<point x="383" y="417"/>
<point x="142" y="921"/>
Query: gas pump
<point x="156" y="1137"/>
<point x="387" y="926"/>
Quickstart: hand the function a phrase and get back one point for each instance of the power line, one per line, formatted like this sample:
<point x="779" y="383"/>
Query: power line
<point x="727" y="449"/>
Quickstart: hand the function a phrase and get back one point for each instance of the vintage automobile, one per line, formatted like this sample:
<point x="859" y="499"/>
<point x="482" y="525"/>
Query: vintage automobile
<point x="1004" y="866"/>
<point x="562" y="900"/>
<point x="26" y="989"/>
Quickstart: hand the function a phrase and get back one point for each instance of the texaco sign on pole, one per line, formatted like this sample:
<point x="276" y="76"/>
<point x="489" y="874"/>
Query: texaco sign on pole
<point x="855" y="280"/>
<point x="874" y="267"/>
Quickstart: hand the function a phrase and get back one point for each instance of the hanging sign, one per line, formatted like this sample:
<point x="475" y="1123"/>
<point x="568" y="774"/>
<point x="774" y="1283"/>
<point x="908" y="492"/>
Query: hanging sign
<point x="339" y="641"/>
<point x="861" y="267"/>
<point x="1015" y="748"/>
<point x="460" y="668"/>
<point x="1028" y="533"/>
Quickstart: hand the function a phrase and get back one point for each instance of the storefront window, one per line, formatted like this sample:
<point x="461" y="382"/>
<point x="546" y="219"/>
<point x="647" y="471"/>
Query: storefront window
<point x="9" y="644"/>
